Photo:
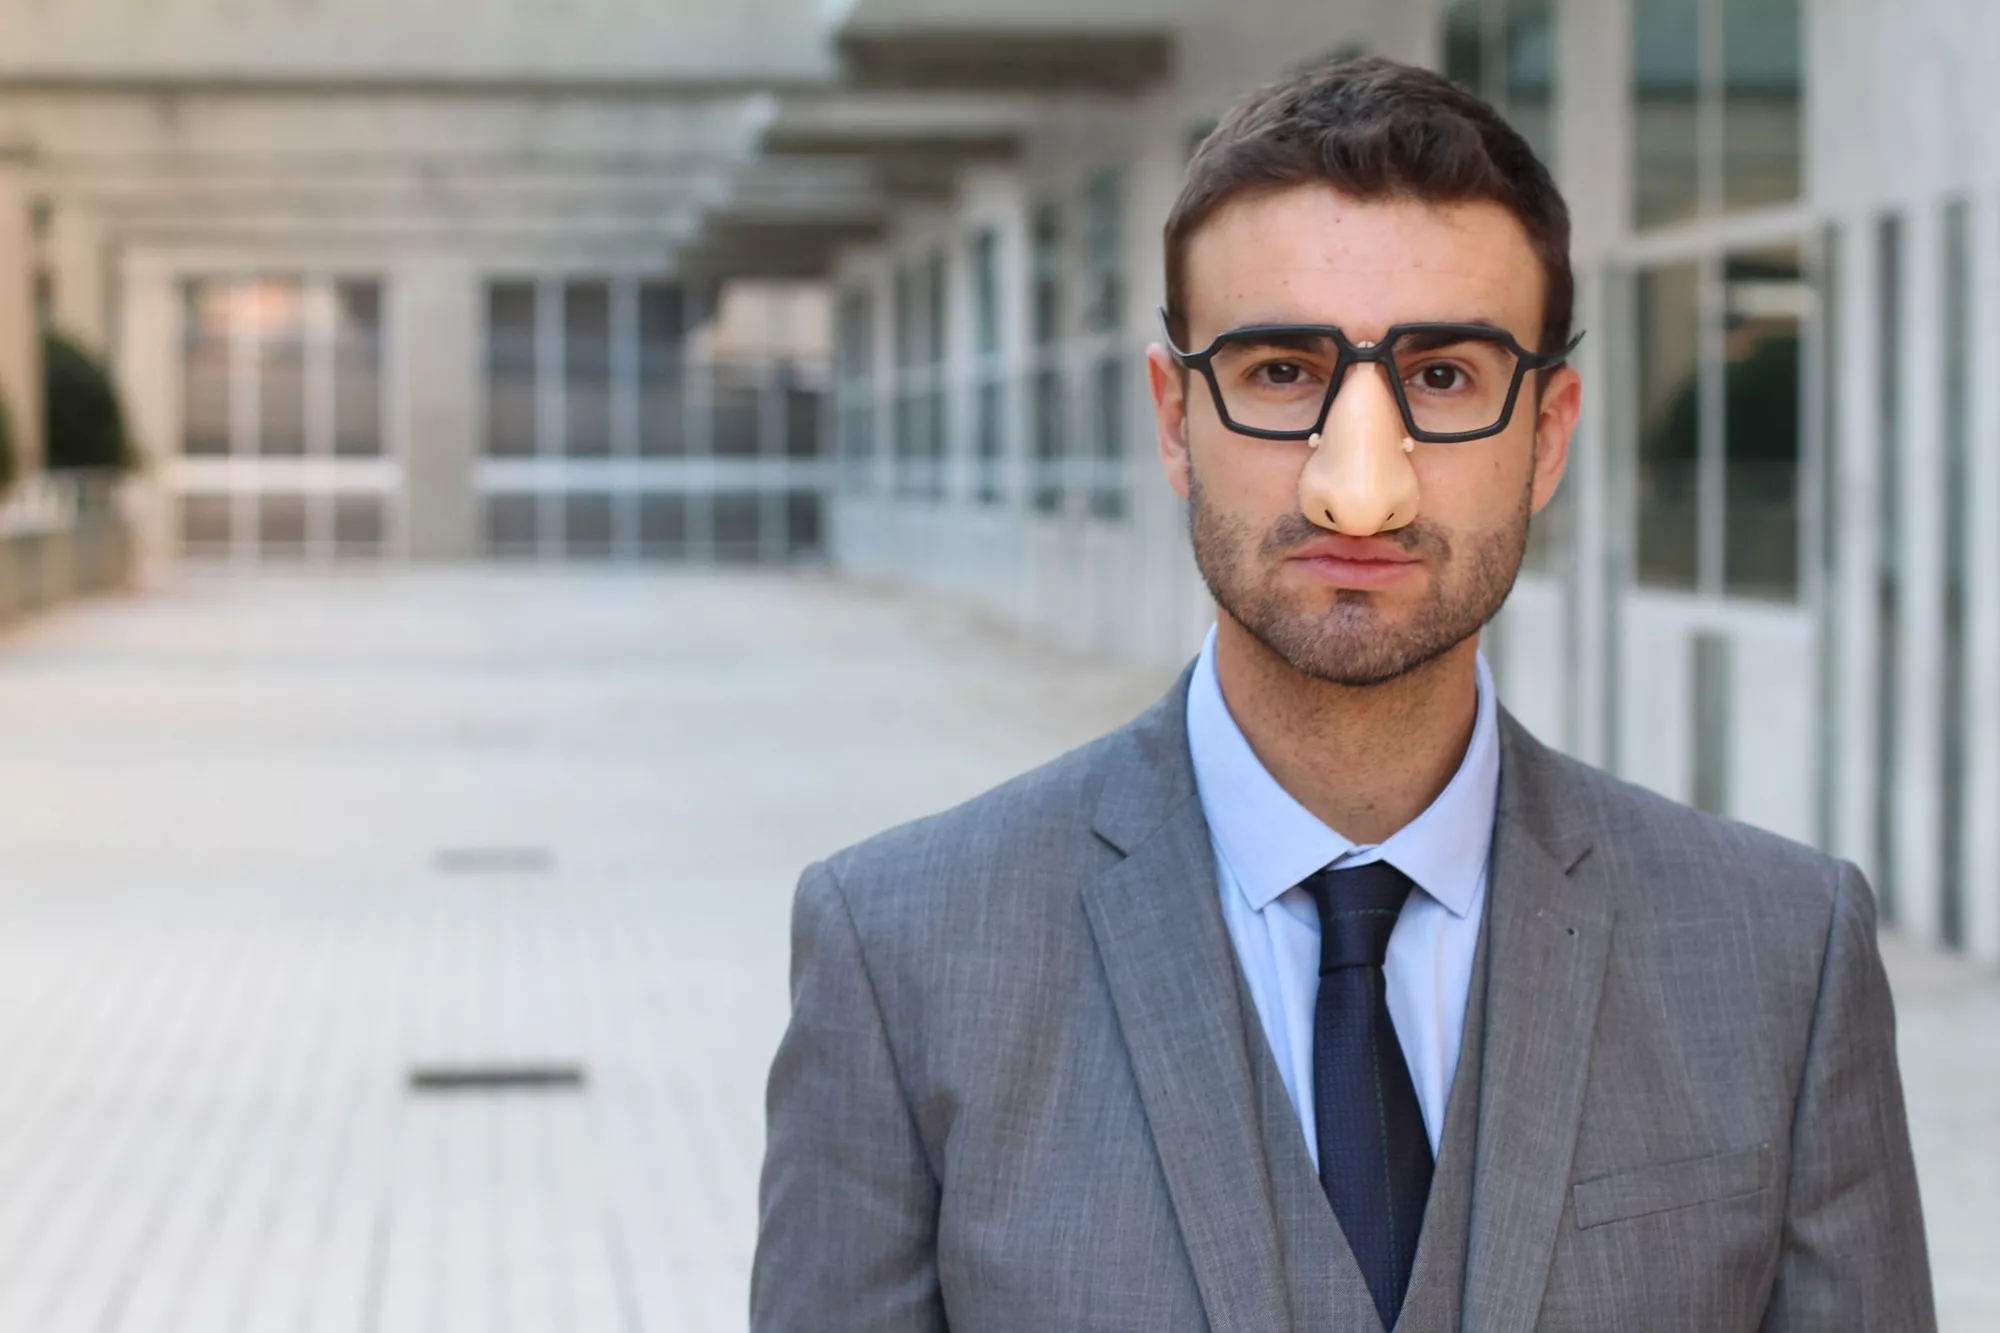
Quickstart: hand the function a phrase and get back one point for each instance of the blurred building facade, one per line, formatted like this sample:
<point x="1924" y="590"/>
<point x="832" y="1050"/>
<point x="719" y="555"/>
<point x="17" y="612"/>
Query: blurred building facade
<point x="870" y="281"/>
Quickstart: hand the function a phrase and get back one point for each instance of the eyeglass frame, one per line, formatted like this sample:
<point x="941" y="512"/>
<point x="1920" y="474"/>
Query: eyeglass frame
<point x="1378" y="352"/>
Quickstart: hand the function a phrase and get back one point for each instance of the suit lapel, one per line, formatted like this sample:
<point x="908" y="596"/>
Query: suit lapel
<point x="1551" y="929"/>
<point x="1166" y="954"/>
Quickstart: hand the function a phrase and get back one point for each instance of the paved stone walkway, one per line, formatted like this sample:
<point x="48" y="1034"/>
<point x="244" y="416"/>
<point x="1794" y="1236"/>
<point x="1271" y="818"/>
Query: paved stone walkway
<point x="266" y="848"/>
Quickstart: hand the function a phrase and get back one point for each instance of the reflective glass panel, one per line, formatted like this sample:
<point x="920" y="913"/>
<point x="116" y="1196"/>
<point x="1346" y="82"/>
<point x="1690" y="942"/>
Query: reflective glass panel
<point x="281" y="526"/>
<point x="1107" y="491"/>
<point x="1666" y="67"/>
<point x="587" y="525"/>
<point x="360" y="525"/>
<point x="357" y="369"/>
<point x="1762" y="85"/>
<point x="1765" y="302"/>
<point x="513" y="524"/>
<point x="1465" y="44"/>
<point x="986" y="292"/>
<point x="661" y="335"/>
<point x="1530" y="72"/>
<point x="587" y="369"/>
<point x="511" y="361"/>
<point x="1103" y="227"/>
<point x="662" y="525"/>
<point x="1047" y="275"/>
<point x="205" y="524"/>
<point x="737" y="525"/>
<point x="273" y="312"/>
<point x="1050" y="439"/>
<point x="1669" y="489"/>
<point x="205" y="371"/>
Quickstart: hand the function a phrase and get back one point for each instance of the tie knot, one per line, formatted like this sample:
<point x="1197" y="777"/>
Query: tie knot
<point x="1358" y="907"/>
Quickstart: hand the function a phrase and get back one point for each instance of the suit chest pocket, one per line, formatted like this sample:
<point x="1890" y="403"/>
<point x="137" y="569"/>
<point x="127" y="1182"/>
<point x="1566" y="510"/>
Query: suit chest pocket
<point x="1670" y="1185"/>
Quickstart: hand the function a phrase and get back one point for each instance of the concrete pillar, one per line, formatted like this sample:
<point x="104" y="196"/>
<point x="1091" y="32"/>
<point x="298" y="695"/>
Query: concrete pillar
<point x="434" y="331"/>
<point x="20" y="337"/>
<point x="82" y="289"/>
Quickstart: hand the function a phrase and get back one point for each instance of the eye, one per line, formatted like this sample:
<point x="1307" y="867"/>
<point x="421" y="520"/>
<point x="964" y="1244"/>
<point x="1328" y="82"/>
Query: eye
<point x="1441" y="377"/>
<point x="1281" y="372"/>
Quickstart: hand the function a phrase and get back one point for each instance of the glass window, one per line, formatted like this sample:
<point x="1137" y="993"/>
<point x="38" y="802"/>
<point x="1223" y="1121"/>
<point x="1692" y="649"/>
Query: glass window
<point x="802" y="400"/>
<point x="274" y="310"/>
<point x="1048" y="411"/>
<point x="513" y="524"/>
<point x="856" y="390"/>
<point x="935" y="294"/>
<point x="1107" y="491"/>
<point x="1103" y="228"/>
<point x="1762" y="91"/>
<point x="205" y="524"/>
<point x="205" y="370"/>
<point x="1504" y="50"/>
<point x="936" y="419"/>
<point x="512" y="362"/>
<point x="737" y="523"/>
<point x="587" y="369"/>
<point x="1530" y="72"/>
<point x="1728" y="74"/>
<point x="662" y="333"/>
<point x="986" y="293"/>
<point x="802" y="522"/>
<point x="1047" y="275"/>
<point x="738" y="392"/>
<point x="587" y="525"/>
<point x="1666" y="64"/>
<point x="1669" y="426"/>
<point x="1465" y="43"/>
<point x="357" y="369"/>
<point x="662" y="525"/>
<point x="1050" y="439"/>
<point x="360" y="525"/>
<point x="991" y="444"/>
<point x="281" y="525"/>
<point x="1765" y="301"/>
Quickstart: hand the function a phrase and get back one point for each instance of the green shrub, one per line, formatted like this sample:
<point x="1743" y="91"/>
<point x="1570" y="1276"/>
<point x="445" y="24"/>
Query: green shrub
<point x="85" y="424"/>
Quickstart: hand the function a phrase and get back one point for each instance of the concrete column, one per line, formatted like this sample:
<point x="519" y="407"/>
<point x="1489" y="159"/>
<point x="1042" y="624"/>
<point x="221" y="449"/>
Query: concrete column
<point x="82" y="296"/>
<point x="20" y="338"/>
<point x="435" y="335"/>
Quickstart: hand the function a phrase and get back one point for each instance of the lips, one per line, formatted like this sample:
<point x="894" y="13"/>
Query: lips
<point x="1354" y="562"/>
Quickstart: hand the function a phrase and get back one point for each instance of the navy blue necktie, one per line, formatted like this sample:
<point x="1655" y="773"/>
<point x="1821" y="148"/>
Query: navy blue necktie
<point x="1374" y="1156"/>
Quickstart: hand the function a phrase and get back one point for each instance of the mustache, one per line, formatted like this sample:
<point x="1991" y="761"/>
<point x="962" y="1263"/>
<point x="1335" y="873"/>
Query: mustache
<point x="1295" y="530"/>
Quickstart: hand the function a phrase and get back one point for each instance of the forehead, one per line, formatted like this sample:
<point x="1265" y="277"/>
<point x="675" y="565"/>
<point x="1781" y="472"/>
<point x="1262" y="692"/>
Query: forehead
<point x="1311" y="255"/>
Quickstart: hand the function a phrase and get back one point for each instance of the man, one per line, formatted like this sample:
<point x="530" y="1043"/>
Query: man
<point x="1322" y="996"/>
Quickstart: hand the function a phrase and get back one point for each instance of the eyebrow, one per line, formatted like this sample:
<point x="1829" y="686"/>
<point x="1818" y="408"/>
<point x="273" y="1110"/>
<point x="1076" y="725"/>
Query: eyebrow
<point x="1279" y="333"/>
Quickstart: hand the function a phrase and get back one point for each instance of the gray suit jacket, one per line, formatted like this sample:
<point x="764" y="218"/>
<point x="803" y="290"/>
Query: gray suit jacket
<point x="1018" y="1092"/>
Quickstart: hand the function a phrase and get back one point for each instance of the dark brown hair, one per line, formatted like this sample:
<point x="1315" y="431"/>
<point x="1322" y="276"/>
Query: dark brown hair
<point x="1374" y="129"/>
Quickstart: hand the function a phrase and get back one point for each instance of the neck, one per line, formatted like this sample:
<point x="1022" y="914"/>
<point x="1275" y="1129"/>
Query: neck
<point x="1365" y="760"/>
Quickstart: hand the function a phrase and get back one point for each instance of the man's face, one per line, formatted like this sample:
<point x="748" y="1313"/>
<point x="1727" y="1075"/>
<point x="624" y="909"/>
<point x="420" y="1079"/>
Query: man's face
<point x="1368" y="555"/>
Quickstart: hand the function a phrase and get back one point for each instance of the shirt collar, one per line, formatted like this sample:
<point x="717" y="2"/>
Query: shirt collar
<point x="1271" y="842"/>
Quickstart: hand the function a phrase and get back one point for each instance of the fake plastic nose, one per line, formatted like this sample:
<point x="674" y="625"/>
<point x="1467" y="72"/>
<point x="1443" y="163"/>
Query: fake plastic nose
<point x="1358" y="480"/>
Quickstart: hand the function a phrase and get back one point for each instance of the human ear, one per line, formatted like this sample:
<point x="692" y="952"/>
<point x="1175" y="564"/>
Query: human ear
<point x="1557" y="408"/>
<point x="1168" y="381"/>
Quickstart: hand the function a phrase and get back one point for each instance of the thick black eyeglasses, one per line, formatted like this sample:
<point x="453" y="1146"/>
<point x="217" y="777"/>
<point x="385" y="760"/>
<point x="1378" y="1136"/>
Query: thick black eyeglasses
<point x="1452" y="382"/>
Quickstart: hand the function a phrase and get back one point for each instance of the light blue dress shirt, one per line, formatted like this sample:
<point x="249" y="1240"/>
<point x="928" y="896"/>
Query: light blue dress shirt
<point x="1266" y="843"/>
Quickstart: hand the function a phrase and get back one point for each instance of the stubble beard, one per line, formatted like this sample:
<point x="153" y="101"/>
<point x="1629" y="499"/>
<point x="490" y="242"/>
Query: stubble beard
<point x="1351" y="642"/>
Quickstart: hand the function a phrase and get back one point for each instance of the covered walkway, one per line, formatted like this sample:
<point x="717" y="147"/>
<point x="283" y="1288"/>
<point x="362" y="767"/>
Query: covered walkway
<point x="302" y="878"/>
